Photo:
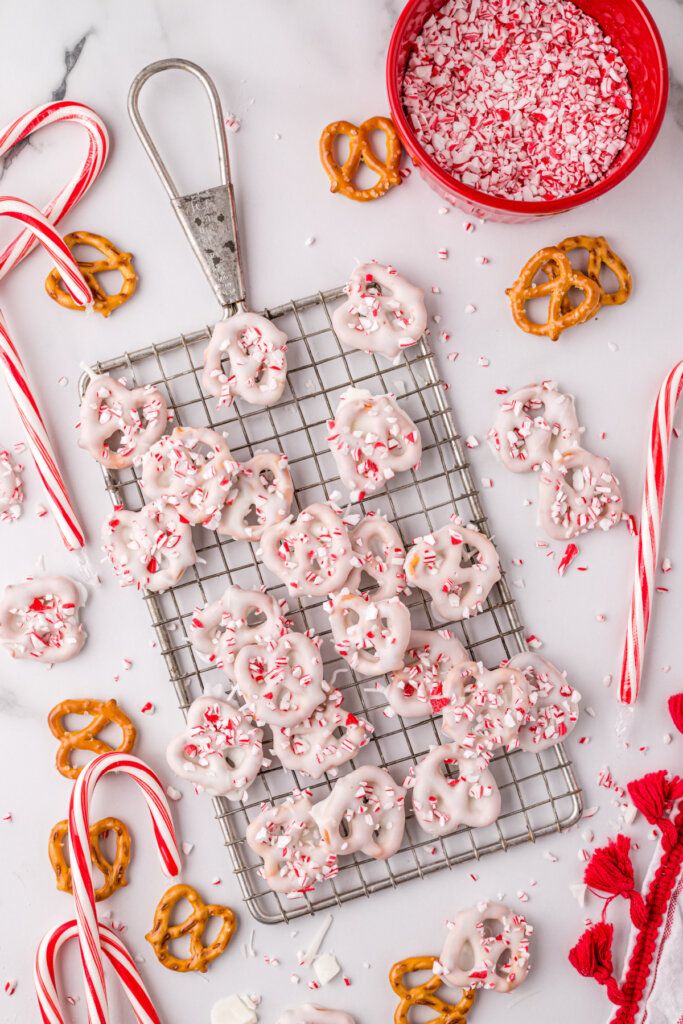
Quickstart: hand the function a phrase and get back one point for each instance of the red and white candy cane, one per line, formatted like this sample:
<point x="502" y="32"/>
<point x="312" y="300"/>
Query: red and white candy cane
<point x="75" y="189"/>
<point x="81" y="865"/>
<point x="17" y="379"/>
<point x="119" y="958"/>
<point x="648" y="535"/>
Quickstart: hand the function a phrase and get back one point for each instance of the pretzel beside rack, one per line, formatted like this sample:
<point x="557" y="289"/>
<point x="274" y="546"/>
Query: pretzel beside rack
<point x="426" y="993"/>
<point x="114" y="259"/>
<point x="341" y="177"/>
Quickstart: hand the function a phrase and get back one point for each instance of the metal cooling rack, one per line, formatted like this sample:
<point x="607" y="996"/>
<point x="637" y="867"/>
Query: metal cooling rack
<point x="539" y="792"/>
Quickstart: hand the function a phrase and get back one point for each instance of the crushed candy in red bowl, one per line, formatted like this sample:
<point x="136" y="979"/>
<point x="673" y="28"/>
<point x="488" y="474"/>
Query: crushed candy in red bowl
<point x="514" y="109"/>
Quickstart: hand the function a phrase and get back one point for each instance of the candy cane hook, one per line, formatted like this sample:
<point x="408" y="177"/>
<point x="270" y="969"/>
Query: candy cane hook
<point x="81" y="866"/>
<point x="649" y="534"/>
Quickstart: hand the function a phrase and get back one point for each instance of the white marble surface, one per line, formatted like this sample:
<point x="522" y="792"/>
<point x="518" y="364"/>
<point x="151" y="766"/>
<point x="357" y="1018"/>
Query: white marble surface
<point x="290" y="68"/>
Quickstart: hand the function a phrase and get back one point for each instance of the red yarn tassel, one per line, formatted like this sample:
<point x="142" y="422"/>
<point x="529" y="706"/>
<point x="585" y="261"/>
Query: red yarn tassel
<point x="653" y="796"/>
<point x="610" y="871"/>
<point x="676" y="710"/>
<point x="592" y="958"/>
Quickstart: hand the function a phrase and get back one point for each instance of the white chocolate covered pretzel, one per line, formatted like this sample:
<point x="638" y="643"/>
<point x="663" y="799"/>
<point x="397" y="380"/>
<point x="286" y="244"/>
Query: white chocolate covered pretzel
<point x="324" y="741"/>
<point x="287" y="839"/>
<point x="533" y="423"/>
<point x="136" y="417"/>
<point x="553" y="703"/>
<point x="260" y="495"/>
<point x="378" y="553"/>
<point x="371" y="635"/>
<point x="416" y="690"/>
<point x="257" y="365"/>
<point x="307" y="1013"/>
<point x="442" y="804"/>
<point x="191" y="469"/>
<point x="383" y="312"/>
<point x="282" y="683"/>
<point x="220" y="629"/>
<point x="311" y="554"/>
<point x="40" y="619"/>
<point x="151" y="548"/>
<point x="578" y="493"/>
<point x="485" y="710"/>
<point x="11" y="490"/>
<point x="487" y="947"/>
<point x="372" y="439"/>
<point x="365" y="812"/>
<point x="219" y="750"/>
<point x="435" y="564"/>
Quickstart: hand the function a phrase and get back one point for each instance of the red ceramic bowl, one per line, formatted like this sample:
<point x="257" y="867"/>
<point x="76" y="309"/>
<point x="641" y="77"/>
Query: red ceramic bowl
<point x="637" y="38"/>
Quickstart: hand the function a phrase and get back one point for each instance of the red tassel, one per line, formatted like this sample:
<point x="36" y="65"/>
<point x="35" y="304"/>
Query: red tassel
<point x="676" y="710"/>
<point x="653" y="796"/>
<point x="610" y="871"/>
<point x="592" y="958"/>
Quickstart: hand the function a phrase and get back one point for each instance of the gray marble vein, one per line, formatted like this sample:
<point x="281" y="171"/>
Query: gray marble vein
<point x="676" y="99"/>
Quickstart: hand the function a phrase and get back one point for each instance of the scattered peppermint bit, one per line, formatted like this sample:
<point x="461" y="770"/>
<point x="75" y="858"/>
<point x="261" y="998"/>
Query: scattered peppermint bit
<point x="10" y="987"/>
<point x="127" y="664"/>
<point x="442" y="254"/>
<point x="148" y="708"/>
<point x="607" y="681"/>
<point x="7" y="816"/>
<point x="326" y="968"/>
<point x="584" y="855"/>
<point x="187" y="848"/>
<point x="471" y="442"/>
<point x="173" y="794"/>
<point x="578" y="891"/>
<point x="486" y="481"/>
<point x="63" y="382"/>
<point x="666" y="565"/>
<point x="533" y="642"/>
<point x="232" y="124"/>
<point x="469" y="308"/>
<point x="612" y="345"/>
<point x="599" y="617"/>
<point x="216" y="880"/>
<point x="550" y="856"/>
<point x="452" y="356"/>
<point x="570" y="553"/>
<point x="666" y="738"/>
<point x="310" y="240"/>
<point x="481" y="260"/>
<point x="41" y="511"/>
<point x="442" y="211"/>
<point x="436" y="290"/>
<point x="483" y="361"/>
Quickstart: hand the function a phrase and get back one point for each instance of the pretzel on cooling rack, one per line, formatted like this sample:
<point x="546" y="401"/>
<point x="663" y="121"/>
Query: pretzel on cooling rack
<point x="194" y="924"/>
<point x="442" y="804"/>
<point x="137" y="416"/>
<point x="327" y="739"/>
<point x="371" y="635"/>
<point x="257" y="363"/>
<point x="114" y="259"/>
<point x="260" y="490"/>
<point x="341" y="177"/>
<point x="416" y="690"/>
<point x="383" y="312"/>
<point x="561" y="279"/>
<point x="311" y="554"/>
<point x="151" y="548"/>
<point x="287" y="838"/>
<point x="426" y="993"/>
<point x="114" y="874"/>
<point x="220" y="629"/>
<point x="553" y="702"/>
<point x="102" y="713"/>
<point x="365" y="811"/>
<point x="378" y="553"/>
<point x="282" y="683"/>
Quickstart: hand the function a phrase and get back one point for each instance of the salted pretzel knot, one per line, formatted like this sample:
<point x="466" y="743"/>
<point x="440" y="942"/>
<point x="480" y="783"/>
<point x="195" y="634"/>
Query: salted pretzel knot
<point x="194" y="924"/>
<point x="114" y="874"/>
<point x="599" y="255"/>
<point x="425" y="994"/>
<point x="341" y="178"/>
<point x="103" y="712"/>
<point x="114" y="259"/>
<point x="561" y="279"/>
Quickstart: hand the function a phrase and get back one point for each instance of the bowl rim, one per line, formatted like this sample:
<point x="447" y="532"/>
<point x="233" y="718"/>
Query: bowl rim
<point x="538" y="207"/>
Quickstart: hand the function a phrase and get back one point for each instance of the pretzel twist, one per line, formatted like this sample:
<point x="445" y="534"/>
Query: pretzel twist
<point x="561" y="279"/>
<point x="194" y="924"/>
<point x="426" y="994"/>
<point x="599" y="255"/>
<point x="114" y="874"/>
<point x="341" y="178"/>
<point x="103" y="712"/>
<point x="114" y="259"/>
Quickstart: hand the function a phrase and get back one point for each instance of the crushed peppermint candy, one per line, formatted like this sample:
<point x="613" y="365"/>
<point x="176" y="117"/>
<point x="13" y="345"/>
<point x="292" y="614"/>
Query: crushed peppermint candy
<point x="11" y="491"/>
<point x="523" y="99"/>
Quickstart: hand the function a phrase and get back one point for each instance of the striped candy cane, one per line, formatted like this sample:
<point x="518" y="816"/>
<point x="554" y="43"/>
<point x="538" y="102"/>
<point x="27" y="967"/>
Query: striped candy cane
<point x="95" y="157"/>
<point x="648" y="535"/>
<point x="17" y="379"/>
<point x="119" y="958"/>
<point x="81" y="866"/>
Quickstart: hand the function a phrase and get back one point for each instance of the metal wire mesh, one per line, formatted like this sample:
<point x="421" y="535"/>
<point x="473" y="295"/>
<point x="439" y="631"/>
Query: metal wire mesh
<point x="539" y="792"/>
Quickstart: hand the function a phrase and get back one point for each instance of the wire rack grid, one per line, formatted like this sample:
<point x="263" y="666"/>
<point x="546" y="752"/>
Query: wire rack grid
<point x="539" y="792"/>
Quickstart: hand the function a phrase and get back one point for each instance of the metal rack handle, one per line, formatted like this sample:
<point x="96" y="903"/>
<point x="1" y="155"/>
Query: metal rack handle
<point x="208" y="218"/>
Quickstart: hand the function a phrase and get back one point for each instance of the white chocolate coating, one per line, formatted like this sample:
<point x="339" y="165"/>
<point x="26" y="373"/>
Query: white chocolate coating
<point x="370" y="807"/>
<point x="192" y="470"/>
<point x="11" y="490"/>
<point x="324" y="741"/>
<point x="281" y="683"/>
<point x="553" y="703"/>
<point x="578" y="493"/>
<point x="151" y="548"/>
<point x="371" y="635"/>
<point x="372" y="439"/>
<point x="442" y="804"/>
<point x="220" y="629"/>
<point x="109" y="408"/>
<point x="288" y="840"/>
<point x="40" y="619"/>
<point x="533" y="423"/>
<point x="434" y="564"/>
<point x="259" y="496"/>
<point x="485" y="710"/>
<point x="378" y="552"/>
<point x="311" y="554"/>
<point x="219" y="750"/>
<point x="307" y="1013"/>
<point x="487" y="947"/>
<point x="255" y="350"/>
<point x="383" y="312"/>
<point x="416" y="690"/>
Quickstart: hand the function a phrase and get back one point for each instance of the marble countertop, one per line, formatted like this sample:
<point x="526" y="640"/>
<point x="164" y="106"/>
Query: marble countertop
<point x="284" y="71"/>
